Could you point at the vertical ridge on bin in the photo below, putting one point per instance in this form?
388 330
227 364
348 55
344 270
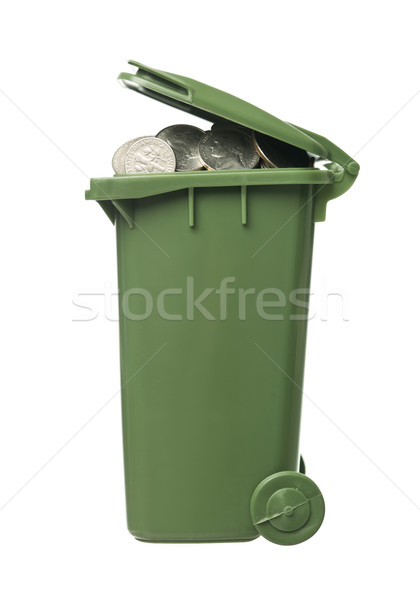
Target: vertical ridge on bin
191 207
243 204
126 211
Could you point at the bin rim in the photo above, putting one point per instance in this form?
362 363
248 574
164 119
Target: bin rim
133 186
115 193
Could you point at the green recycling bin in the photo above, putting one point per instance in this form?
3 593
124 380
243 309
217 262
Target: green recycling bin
214 274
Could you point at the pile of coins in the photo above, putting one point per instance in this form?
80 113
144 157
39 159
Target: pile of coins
188 148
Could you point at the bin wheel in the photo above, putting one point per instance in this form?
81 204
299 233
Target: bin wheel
287 508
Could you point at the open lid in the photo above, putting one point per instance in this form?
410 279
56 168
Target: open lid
214 105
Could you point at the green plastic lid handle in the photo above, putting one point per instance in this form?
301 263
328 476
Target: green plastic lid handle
345 170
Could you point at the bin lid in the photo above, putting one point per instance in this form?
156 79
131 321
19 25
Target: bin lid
212 104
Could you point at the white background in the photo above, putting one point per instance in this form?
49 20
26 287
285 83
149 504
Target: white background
348 71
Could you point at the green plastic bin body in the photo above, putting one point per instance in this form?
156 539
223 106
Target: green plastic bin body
214 275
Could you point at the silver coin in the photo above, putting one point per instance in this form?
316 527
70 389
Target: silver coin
118 160
150 155
279 154
183 139
227 148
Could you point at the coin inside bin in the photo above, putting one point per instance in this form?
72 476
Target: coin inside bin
226 146
184 141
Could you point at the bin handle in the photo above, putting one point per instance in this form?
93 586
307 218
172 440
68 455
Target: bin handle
345 170
165 84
